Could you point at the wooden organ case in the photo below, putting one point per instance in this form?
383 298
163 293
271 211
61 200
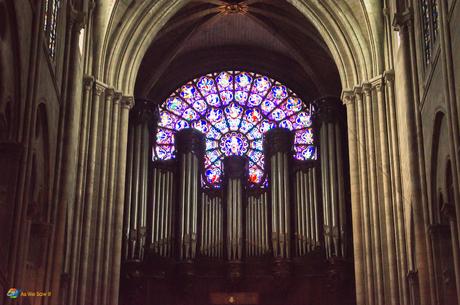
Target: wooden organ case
283 244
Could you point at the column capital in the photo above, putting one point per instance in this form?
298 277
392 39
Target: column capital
358 94
109 94
367 89
77 19
190 140
389 77
448 210
348 97
99 88
235 167
88 81
278 140
401 20
127 102
117 96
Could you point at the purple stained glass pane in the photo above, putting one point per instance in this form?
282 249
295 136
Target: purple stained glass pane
206 85
175 105
254 100
267 106
277 114
213 175
304 136
201 125
224 81
234 143
279 92
190 114
294 104
164 136
213 100
255 155
253 115
227 97
164 152
245 125
222 126
211 144
255 175
233 111
265 126
261 85
257 144
215 115
213 133
181 125
167 120
301 120
305 152
286 124
243 81
200 106
241 97
188 92
254 134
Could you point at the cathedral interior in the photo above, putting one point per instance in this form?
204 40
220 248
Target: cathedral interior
211 152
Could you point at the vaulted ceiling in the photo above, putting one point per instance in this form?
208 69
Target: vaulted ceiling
266 36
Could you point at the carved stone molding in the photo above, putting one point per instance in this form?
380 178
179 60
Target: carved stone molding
99 88
127 102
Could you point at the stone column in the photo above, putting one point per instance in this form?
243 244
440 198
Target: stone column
364 178
89 202
389 221
126 104
332 179
101 218
111 196
190 145
356 207
235 171
278 145
448 209
371 125
141 128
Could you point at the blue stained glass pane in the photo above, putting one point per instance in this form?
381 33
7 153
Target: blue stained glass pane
277 114
279 92
164 152
234 143
294 104
213 155
200 106
302 120
261 85
265 126
214 133
241 97
175 105
213 175
233 111
255 175
224 81
188 92
211 144
213 100
305 152
206 85
243 81
304 136
254 100
286 124
201 125
190 114
245 125
257 144
255 155
215 115
227 97
253 116
222 126
167 120
254 134
267 106
181 125
164 136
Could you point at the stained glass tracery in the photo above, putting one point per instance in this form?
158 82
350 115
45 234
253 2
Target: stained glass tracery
234 110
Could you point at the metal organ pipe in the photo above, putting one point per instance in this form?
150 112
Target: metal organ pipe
278 145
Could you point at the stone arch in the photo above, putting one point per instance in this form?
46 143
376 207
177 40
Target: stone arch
354 50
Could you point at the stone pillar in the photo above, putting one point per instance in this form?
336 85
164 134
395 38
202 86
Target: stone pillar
89 190
111 196
356 207
278 145
126 104
141 129
448 209
389 220
235 171
190 145
332 179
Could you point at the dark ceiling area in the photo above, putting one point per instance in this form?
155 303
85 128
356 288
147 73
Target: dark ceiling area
265 36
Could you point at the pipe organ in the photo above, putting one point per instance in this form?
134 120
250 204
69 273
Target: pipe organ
295 221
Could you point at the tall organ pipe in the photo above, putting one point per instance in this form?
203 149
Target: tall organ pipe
332 179
278 144
235 169
190 145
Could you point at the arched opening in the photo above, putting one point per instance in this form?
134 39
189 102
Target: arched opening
193 208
